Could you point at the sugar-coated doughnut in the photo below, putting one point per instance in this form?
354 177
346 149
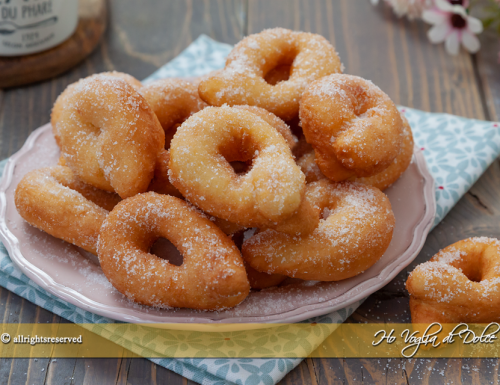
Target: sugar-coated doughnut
173 100
257 280
200 155
273 121
242 81
353 126
108 134
211 277
391 174
160 183
354 232
55 201
461 283
381 180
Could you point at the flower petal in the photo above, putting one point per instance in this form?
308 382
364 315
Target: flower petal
470 41
474 25
444 5
452 43
433 16
438 33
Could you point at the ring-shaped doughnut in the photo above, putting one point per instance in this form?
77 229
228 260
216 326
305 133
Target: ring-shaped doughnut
53 200
61 99
461 283
211 277
354 233
161 183
108 135
353 126
200 155
381 180
242 81
173 100
273 121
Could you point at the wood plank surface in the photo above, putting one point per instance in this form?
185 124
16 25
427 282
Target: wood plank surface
372 43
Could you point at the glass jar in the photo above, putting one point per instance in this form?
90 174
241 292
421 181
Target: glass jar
29 26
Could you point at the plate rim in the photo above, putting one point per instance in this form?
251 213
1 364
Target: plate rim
46 282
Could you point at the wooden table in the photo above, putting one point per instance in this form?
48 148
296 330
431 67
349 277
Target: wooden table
395 54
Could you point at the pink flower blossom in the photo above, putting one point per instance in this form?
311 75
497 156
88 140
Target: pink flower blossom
452 25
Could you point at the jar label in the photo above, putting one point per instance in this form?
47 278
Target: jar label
29 26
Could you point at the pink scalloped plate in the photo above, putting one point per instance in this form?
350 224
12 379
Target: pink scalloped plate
70 274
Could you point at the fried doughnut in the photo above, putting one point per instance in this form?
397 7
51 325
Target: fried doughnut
461 283
108 135
53 200
354 233
211 277
257 280
242 81
160 183
381 180
391 174
200 154
273 121
61 99
354 128
173 100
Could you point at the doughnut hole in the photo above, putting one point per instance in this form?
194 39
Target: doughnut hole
478 262
166 250
280 73
240 168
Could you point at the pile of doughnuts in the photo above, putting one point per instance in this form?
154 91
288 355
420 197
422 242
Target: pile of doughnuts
267 169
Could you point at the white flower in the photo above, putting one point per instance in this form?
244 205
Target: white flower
452 25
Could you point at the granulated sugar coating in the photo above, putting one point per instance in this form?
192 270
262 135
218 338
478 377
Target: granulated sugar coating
354 128
354 232
108 134
461 283
242 81
383 179
173 101
200 156
211 277
55 201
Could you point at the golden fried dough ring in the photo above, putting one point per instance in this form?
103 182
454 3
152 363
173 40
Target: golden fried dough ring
173 101
355 232
273 121
160 183
391 174
259 281
200 153
211 277
108 135
461 283
60 101
381 180
55 201
243 79
354 128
